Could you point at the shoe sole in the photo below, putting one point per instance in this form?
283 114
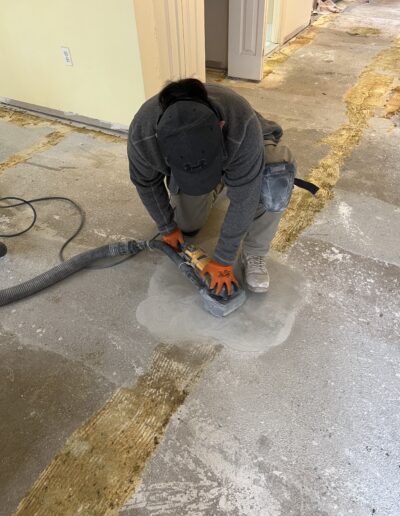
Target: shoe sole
257 290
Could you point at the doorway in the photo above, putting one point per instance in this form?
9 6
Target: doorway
216 18
272 26
238 33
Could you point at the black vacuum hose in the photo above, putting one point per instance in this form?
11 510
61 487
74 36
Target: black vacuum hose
183 266
75 264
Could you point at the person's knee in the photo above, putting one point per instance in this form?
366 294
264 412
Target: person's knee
187 226
191 219
191 212
190 233
190 224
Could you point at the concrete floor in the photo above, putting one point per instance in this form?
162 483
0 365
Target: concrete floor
299 413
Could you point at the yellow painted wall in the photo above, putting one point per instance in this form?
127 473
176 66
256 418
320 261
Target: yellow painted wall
105 81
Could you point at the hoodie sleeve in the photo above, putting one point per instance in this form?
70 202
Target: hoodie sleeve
151 188
243 179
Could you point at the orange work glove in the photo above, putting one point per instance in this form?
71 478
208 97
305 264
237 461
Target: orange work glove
174 239
219 276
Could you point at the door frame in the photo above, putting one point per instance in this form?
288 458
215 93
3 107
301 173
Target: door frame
171 40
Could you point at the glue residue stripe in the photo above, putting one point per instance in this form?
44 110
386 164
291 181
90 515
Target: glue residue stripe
49 141
368 94
101 464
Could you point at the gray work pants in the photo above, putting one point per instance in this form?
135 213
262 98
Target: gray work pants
191 213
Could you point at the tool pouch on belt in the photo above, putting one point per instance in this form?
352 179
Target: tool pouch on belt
278 176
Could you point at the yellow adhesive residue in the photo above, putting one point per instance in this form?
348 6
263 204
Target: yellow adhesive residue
21 118
101 464
49 141
363 31
25 119
368 94
393 104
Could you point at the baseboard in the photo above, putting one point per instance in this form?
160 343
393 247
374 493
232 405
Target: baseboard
295 32
66 116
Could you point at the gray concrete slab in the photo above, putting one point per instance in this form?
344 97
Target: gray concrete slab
90 170
379 14
101 304
299 413
309 427
43 398
355 222
69 348
373 167
15 138
300 141
332 53
293 110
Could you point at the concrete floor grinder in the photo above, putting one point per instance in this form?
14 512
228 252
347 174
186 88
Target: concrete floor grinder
191 260
219 305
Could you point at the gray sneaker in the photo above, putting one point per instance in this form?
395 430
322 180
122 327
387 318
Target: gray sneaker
255 273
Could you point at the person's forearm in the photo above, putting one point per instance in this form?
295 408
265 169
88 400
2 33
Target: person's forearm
238 218
152 191
156 200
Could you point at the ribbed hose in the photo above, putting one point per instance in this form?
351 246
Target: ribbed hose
183 266
75 264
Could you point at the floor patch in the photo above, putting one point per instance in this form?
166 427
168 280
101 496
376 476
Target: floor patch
173 311
101 464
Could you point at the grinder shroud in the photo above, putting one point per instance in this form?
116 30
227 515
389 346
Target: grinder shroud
218 305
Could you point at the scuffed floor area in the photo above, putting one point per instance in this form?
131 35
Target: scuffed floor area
119 394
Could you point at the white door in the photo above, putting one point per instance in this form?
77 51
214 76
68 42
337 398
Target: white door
246 39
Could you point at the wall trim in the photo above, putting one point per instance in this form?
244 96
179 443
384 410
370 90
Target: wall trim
67 117
295 32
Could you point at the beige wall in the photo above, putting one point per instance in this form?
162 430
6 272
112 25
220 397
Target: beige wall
295 16
105 81
171 39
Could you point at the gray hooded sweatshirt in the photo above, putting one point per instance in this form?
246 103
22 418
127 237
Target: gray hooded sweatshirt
243 164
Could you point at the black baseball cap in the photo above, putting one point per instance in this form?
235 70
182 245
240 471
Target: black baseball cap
190 140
